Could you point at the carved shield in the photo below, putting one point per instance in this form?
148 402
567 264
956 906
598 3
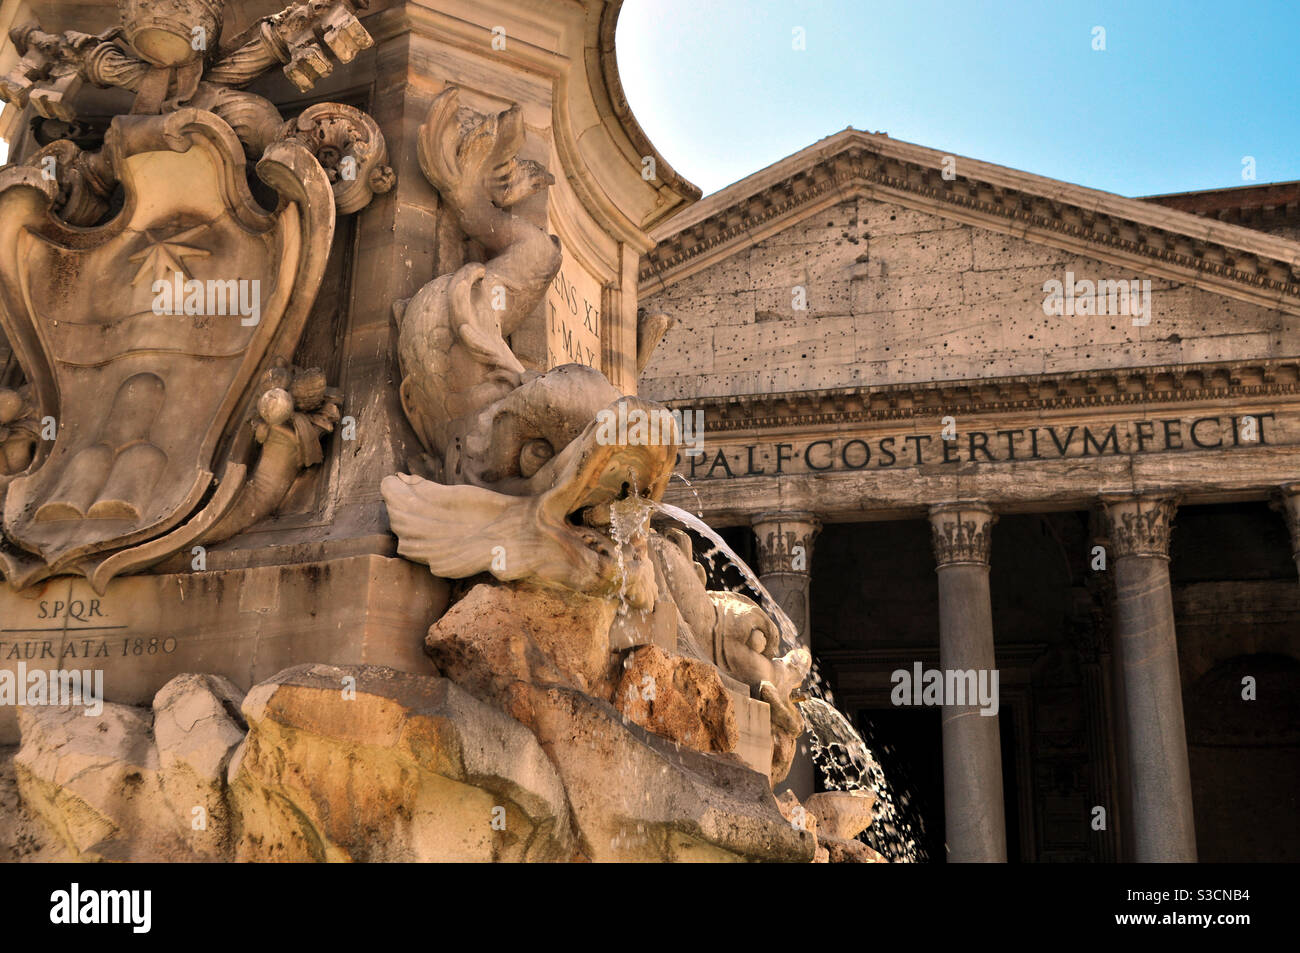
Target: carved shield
141 337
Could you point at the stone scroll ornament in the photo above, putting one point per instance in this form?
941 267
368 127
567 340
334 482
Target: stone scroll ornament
518 479
159 408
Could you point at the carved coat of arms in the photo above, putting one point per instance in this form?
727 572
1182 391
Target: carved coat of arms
145 322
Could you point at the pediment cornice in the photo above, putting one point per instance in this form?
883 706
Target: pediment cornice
1041 393
1149 238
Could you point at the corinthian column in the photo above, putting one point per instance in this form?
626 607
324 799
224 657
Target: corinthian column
1159 781
974 813
785 547
1289 503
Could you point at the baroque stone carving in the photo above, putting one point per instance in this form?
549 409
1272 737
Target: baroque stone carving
521 485
350 147
731 631
1140 525
165 49
561 533
519 478
293 413
142 337
961 533
165 52
455 359
19 430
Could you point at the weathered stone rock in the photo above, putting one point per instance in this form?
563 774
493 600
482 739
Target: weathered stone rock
93 779
850 852
197 726
370 764
677 698
24 837
842 814
800 817
638 797
503 634
128 786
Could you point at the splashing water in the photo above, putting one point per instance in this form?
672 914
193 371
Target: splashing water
789 633
847 764
839 752
699 504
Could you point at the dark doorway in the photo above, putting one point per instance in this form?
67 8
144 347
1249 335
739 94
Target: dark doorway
1243 746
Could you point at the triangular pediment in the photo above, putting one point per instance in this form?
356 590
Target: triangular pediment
1144 238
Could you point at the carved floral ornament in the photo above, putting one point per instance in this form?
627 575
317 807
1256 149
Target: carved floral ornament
155 339
1140 525
962 533
785 542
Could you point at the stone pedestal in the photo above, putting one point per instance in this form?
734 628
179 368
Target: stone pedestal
972 748
1160 787
785 549
245 624
754 719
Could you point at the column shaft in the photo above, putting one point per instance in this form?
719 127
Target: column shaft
1160 786
974 811
785 544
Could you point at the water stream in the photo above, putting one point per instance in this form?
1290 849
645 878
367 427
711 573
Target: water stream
839 753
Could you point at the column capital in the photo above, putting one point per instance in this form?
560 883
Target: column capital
962 533
785 541
1139 524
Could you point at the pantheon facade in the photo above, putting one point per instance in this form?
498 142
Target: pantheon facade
968 418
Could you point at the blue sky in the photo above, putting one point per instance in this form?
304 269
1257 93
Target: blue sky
1182 92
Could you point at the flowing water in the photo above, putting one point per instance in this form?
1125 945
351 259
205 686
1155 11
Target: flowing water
789 633
629 519
699 504
839 753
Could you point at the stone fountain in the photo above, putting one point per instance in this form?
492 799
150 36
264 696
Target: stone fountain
592 698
